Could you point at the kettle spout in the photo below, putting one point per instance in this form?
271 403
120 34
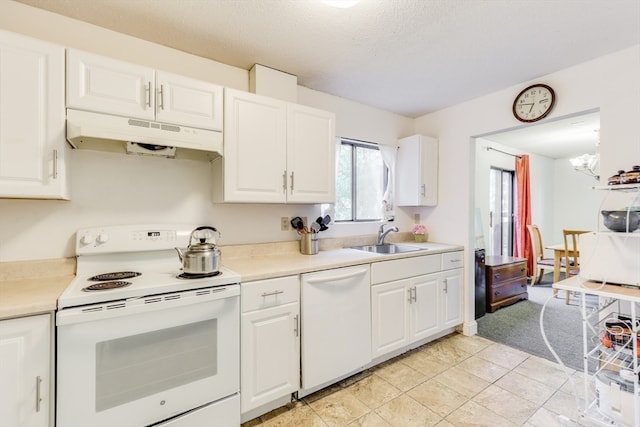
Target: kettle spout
180 254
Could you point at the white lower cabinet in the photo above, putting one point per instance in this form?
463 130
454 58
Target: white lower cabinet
270 341
25 371
417 305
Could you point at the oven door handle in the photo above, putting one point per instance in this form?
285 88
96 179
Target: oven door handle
109 310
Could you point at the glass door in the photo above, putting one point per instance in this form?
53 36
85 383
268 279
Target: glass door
501 211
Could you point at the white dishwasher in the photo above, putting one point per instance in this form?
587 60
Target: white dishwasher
336 325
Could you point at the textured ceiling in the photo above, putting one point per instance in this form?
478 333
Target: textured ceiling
410 57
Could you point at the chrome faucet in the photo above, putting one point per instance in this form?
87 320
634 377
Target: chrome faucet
382 233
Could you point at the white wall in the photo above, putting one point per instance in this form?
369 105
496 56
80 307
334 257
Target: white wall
608 83
108 188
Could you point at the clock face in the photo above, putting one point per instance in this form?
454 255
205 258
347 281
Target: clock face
534 103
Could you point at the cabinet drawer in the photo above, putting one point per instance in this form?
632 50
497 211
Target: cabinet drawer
507 272
451 260
269 293
397 269
508 289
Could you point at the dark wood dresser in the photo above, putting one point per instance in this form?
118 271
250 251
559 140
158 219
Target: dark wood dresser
506 281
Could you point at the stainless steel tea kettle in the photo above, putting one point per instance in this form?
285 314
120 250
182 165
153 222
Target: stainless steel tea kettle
202 257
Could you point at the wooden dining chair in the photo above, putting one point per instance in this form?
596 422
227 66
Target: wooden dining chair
571 255
540 263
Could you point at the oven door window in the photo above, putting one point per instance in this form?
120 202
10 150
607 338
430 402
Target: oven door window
133 367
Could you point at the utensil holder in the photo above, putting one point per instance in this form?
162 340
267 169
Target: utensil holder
309 244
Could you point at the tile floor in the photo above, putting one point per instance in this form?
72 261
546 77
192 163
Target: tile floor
454 381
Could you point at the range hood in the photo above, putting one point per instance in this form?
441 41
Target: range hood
114 133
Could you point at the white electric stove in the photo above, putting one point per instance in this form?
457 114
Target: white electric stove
138 344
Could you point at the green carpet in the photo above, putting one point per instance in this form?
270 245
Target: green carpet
518 325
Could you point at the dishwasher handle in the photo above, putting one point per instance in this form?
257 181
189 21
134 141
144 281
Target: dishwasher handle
337 277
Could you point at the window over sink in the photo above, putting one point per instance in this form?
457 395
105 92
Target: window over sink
361 181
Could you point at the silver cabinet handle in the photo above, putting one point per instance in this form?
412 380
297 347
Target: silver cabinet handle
55 164
38 398
147 91
268 294
161 98
296 328
423 190
284 181
415 294
446 285
410 298
292 181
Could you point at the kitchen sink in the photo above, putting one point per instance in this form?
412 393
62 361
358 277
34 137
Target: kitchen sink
388 248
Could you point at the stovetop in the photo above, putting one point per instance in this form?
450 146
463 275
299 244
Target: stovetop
154 258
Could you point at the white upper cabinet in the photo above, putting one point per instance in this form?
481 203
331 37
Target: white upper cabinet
101 84
32 119
310 155
275 152
417 171
255 149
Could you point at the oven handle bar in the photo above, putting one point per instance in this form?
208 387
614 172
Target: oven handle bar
109 310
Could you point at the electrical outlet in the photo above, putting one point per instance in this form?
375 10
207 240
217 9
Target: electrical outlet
284 224
416 218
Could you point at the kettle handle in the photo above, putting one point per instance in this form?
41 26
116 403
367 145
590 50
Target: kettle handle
204 227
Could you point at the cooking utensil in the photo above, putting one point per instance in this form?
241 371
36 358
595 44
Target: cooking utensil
315 227
202 257
618 220
323 222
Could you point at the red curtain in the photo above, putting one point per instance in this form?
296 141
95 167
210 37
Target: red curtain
522 242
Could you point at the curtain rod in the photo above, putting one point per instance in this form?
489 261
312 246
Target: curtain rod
504 152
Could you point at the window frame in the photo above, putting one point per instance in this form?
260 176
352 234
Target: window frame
354 143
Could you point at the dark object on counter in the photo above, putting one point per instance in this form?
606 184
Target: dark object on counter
631 177
615 179
480 289
618 220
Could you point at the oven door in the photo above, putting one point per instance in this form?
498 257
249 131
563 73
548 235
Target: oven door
142 361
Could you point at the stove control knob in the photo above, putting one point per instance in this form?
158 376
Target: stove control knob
103 238
87 239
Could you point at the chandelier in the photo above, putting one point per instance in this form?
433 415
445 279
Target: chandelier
588 164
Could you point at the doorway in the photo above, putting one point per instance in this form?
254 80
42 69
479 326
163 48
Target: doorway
501 214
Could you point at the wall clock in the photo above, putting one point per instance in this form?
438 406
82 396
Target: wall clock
534 103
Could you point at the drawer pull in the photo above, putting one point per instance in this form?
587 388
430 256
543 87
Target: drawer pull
268 294
296 328
497 275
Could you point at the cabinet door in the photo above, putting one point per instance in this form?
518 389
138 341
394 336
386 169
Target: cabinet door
188 102
452 298
255 149
310 155
270 365
390 316
97 83
25 360
417 171
32 119
425 306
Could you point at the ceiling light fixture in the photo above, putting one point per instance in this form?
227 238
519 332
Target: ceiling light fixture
343 4
588 163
